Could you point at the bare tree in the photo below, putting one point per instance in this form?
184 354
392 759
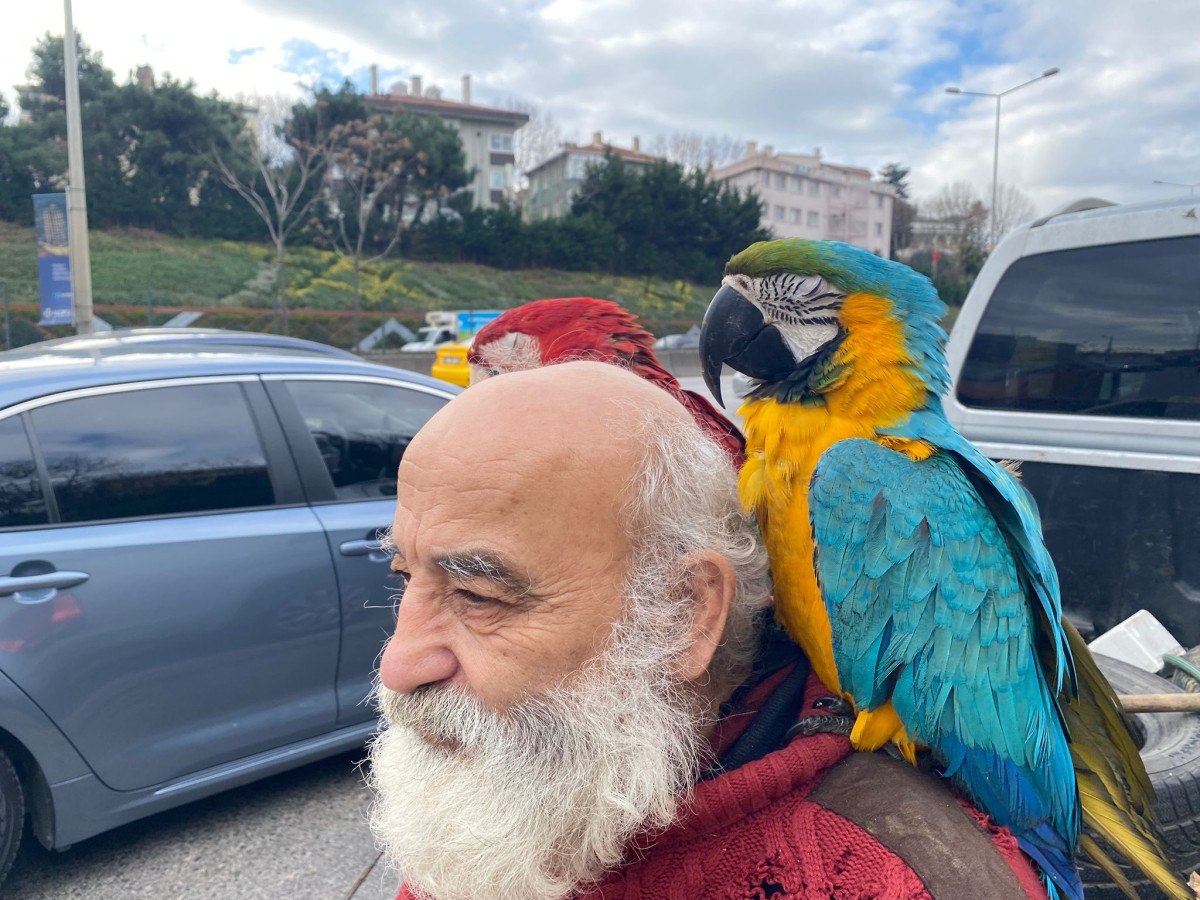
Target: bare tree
276 172
957 205
537 140
1012 208
695 150
369 167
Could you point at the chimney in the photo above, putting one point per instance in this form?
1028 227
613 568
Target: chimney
415 90
596 138
466 97
768 150
817 152
751 148
374 80
637 144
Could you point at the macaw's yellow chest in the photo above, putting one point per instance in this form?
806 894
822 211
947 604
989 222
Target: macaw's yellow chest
784 441
783 444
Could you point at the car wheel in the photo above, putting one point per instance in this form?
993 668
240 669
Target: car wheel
1170 747
12 814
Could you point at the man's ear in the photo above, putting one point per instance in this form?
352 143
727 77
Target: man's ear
708 582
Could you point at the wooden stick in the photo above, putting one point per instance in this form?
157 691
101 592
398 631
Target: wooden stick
1143 703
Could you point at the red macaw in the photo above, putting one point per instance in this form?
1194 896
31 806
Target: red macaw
561 329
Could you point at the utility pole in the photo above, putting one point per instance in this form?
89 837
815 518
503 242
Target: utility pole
81 259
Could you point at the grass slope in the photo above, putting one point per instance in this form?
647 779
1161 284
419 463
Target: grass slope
127 266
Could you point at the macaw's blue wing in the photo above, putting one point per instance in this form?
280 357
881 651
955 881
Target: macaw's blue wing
930 609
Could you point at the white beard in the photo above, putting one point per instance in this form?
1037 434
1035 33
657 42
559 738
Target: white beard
543 799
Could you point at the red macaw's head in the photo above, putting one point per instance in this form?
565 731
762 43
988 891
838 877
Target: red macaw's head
557 330
544 332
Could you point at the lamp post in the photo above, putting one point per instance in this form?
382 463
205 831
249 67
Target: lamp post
996 144
1191 187
81 261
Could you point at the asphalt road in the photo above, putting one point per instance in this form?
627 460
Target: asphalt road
298 835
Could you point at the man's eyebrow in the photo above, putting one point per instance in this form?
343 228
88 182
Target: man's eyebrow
488 566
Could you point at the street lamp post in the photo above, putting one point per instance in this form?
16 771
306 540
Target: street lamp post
1191 187
81 261
996 142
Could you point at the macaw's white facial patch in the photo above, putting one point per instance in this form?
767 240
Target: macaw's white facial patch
803 307
513 352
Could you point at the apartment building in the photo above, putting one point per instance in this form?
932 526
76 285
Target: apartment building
554 182
804 196
487 133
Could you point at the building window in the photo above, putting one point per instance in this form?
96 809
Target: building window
814 219
796 184
796 215
496 179
878 229
577 165
766 179
835 190
879 201
779 213
502 143
780 181
814 188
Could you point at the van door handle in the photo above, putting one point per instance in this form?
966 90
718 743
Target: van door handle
49 581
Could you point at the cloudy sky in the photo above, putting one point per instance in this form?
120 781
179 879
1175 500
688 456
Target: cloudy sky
864 81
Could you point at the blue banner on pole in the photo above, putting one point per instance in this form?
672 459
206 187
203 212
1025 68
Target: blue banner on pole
54 259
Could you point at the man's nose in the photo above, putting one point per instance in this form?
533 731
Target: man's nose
417 654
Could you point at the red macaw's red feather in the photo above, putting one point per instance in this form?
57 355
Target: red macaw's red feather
573 328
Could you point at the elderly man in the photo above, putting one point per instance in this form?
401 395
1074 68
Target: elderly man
581 696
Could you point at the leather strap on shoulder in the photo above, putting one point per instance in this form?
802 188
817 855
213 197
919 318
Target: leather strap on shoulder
918 819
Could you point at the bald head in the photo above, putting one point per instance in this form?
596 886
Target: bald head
567 417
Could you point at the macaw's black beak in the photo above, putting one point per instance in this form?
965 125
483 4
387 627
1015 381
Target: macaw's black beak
734 333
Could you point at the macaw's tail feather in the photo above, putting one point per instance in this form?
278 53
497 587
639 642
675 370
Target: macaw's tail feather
1114 789
1046 848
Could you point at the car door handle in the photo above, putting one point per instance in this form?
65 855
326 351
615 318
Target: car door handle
366 547
45 582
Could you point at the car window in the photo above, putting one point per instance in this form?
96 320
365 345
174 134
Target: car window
154 452
1111 331
361 431
21 500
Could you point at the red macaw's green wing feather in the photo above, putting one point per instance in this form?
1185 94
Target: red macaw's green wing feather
929 609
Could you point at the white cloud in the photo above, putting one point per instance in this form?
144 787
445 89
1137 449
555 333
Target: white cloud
863 81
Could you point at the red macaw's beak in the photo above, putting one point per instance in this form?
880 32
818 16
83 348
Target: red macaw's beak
734 333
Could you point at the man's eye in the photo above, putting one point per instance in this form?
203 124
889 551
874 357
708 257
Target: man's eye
477 599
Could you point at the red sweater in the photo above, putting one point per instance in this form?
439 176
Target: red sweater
751 833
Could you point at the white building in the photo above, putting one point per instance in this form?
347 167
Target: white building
804 196
554 182
485 131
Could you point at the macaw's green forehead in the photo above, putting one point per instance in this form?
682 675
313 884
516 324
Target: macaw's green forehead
852 269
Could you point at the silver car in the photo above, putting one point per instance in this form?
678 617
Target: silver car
191 593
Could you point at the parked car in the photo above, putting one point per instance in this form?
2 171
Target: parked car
174 340
1077 352
192 596
450 363
688 340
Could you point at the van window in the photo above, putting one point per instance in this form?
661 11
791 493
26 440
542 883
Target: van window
153 452
21 500
1107 331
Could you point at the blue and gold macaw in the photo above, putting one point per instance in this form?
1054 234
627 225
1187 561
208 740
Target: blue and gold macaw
909 566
